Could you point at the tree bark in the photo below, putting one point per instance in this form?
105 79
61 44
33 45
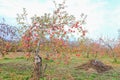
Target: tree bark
37 72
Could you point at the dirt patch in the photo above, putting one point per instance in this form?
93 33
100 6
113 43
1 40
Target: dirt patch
97 65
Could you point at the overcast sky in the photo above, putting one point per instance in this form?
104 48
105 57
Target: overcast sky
103 15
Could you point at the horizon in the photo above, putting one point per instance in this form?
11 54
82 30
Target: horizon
102 21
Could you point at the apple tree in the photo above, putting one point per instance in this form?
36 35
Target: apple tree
57 26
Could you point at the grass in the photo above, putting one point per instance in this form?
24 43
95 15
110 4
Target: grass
15 69
21 69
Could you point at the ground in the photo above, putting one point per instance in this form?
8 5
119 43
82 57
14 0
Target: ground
17 67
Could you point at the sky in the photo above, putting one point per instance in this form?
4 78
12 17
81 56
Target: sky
102 20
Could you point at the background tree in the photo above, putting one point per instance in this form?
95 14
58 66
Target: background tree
7 35
110 43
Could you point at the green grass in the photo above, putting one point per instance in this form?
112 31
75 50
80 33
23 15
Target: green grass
21 69
15 69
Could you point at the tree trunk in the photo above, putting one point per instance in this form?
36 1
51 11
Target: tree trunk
37 72
96 54
87 55
114 57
